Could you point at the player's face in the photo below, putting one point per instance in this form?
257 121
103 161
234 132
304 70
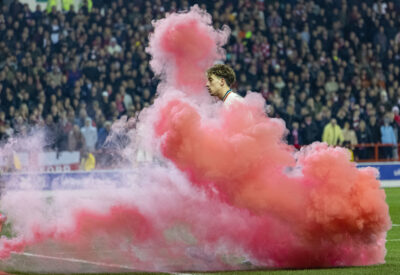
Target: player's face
213 84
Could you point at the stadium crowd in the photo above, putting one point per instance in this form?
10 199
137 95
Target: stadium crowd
329 68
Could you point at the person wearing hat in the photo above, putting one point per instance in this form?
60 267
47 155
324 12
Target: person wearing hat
114 48
396 114
104 100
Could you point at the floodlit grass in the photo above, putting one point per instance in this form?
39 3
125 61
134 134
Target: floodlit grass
392 265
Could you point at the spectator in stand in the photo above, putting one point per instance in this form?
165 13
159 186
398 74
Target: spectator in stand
349 135
88 161
307 58
64 127
331 86
289 115
3 134
103 133
347 145
332 133
309 130
388 138
76 141
120 104
395 111
114 48
395 126
74 75
50 130
364 137
126 98
295 137
90 135
375 129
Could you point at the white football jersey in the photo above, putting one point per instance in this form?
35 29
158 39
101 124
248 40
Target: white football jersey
231 97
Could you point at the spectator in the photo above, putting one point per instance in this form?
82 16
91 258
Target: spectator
76 141
119 103
64 127
364 137
74 75
114 48
127 99
388 137
2 118
274 21
50 130
380 7
347 145
331 86
103 133
380 39
395 111
332 133
88 161
349 135
309 130
90 135
289 115
375 129
3 133
295 137
314 59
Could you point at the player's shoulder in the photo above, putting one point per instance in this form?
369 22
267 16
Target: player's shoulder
236 95
233 97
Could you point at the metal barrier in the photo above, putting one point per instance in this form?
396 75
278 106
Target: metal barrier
372 152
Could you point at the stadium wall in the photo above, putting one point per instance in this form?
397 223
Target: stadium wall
389 172
389 177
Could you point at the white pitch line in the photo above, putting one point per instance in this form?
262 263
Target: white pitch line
394 240
395 224
76 261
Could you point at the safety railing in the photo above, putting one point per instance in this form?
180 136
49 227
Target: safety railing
371 152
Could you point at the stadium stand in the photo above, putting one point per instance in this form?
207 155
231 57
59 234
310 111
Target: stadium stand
315 62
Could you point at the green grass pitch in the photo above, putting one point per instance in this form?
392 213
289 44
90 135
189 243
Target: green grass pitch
392 265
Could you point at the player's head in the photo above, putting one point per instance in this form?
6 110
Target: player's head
219 79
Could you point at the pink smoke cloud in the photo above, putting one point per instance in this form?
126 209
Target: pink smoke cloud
224 191
336 213
183 46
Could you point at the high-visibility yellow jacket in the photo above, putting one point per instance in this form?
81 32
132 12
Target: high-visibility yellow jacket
332 135
17 162
88 163
67 4
51 4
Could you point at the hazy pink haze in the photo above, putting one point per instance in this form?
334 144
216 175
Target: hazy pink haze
224 191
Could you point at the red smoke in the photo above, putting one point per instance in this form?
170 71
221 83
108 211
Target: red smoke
334 213
183 47
226 188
